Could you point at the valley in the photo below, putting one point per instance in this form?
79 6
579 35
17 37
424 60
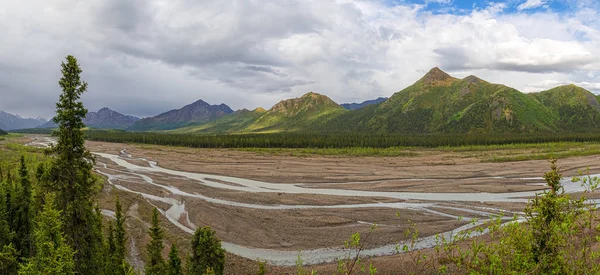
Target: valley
271 206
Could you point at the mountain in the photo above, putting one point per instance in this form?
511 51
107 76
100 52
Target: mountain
574 107
440 103
12 122
196 113
105 118
355 106
310 111
235 122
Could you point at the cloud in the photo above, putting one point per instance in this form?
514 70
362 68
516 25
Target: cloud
531 4
143 57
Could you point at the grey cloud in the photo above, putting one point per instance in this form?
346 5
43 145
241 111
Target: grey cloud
461 58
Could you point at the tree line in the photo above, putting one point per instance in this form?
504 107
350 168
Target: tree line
295 140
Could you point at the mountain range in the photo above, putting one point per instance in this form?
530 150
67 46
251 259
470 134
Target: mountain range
105 118
12 122
436 103
196 113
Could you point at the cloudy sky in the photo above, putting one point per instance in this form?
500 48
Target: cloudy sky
143 57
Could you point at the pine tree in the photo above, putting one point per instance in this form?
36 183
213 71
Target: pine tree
174 265
206 253
71 172
120 240
110 249
156 264
53 255
23 226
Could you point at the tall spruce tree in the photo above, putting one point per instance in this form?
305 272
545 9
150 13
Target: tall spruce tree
53 255
23 227
174 264
206 253
156 263
71 173
120 240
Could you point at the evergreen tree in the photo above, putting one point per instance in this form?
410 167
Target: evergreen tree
119 240
23 224
156 264
206 253
53 255
174 265
71 173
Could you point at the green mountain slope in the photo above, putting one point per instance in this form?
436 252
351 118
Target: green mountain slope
306 113
574 107
235 122
441 103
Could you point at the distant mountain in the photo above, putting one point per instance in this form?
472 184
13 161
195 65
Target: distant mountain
12 122
574 107
355 106
196 113
235 122
307 112
105 118
310 111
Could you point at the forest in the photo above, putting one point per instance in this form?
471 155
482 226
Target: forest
290 140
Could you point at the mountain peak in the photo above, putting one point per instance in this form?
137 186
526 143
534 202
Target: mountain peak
437 77
259 110
310 101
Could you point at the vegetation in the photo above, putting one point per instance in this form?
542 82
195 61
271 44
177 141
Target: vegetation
207 253
3 133
333 141
156 264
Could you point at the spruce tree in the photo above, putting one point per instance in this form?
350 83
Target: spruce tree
23 227
120 240
156 264
71 172
174 265
206 253
53 255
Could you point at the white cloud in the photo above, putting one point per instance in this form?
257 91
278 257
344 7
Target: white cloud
530 4
143 57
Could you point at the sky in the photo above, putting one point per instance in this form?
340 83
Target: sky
144 57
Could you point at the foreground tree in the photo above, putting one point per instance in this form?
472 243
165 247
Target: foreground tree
156 264
207 253
71 173
23 224
53 255
174 265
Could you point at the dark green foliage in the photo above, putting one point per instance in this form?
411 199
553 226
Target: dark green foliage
8 260
71 173
120 241
174 266
53 255
156 264
206 253
3 133
333 140
24 213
